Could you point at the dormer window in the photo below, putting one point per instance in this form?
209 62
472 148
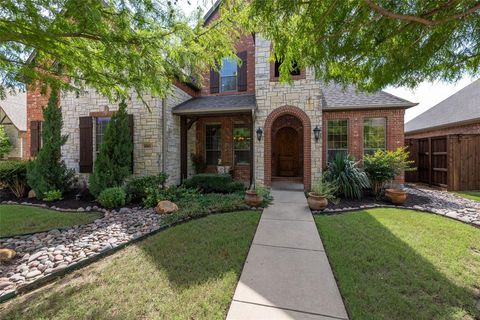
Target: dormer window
228 75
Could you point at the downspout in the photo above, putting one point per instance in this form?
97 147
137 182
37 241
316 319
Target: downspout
254 138
164 135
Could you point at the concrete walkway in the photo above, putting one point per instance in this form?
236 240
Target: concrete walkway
287 274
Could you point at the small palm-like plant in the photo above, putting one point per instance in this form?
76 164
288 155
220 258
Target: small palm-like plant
350 179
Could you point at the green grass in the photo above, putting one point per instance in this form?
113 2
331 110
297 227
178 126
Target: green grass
403 264
186 272
472 195
18 219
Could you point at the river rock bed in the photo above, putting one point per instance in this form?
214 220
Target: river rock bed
424 199
41 254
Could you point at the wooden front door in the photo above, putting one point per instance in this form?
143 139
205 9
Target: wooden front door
286 152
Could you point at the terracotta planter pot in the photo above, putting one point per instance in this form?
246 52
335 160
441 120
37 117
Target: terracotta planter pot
396 196
316 202
253 199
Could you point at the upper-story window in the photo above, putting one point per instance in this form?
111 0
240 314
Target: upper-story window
228 75
295 71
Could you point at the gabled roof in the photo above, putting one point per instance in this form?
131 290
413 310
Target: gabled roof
217 104
15 107
461 107
211 11
337 97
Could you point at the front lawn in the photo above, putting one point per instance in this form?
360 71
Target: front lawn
472 195
186 272
403 264
18 219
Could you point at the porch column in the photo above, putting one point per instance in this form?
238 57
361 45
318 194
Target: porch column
183 147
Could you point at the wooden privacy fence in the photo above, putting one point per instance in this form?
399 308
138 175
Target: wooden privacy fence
451 161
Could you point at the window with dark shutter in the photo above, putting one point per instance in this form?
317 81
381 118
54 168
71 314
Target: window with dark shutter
130 126
242 71
86 145
214 81
35 137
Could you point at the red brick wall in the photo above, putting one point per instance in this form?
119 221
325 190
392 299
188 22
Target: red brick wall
245 43
241 172
471 128
395 127
35 103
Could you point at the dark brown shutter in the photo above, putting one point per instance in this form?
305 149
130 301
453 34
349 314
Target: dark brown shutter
242 71
86 144
130 126
35 137
214 81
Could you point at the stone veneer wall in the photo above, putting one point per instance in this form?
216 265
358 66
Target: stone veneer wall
304 94
147 130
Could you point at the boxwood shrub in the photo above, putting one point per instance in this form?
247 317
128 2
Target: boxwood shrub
112 197
214 183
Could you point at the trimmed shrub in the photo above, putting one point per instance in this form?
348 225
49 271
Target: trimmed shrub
214 183
114 161
136 187
48 171
5 144
53 195
344 172
13 175
112 197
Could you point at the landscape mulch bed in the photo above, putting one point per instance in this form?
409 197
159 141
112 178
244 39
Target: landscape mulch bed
69 200
369 199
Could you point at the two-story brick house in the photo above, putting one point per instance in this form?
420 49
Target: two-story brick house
242 117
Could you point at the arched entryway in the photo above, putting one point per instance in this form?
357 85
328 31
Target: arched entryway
287 146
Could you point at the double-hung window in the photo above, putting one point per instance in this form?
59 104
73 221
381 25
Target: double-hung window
337 138
228 75
374 134
101 124
213 140
242 137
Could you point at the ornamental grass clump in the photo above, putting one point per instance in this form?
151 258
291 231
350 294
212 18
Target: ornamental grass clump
383 166
349 178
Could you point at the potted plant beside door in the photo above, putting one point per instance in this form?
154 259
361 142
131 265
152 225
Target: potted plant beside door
321 193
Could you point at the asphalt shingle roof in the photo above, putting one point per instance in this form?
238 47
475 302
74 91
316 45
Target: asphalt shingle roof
460 107
217 104
337 97
15 107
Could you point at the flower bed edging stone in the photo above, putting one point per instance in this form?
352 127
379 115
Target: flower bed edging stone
43 279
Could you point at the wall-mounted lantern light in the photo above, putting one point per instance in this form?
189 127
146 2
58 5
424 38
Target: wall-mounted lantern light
259 134
316 133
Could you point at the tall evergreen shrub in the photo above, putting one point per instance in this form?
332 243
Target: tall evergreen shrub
5 144
48 171
114 161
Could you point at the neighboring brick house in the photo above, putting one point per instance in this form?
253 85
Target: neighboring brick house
444 142
242 118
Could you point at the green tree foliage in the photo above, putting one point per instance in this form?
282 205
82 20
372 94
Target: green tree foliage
5 144
114 161
373 43
112 46
48 171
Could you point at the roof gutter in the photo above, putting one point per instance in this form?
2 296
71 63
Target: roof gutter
443 126
369 106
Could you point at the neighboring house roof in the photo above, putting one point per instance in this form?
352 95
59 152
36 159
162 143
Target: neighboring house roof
216 104
15 107
461 107
211 11
337 97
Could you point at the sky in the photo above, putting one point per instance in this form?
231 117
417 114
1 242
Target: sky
427 94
